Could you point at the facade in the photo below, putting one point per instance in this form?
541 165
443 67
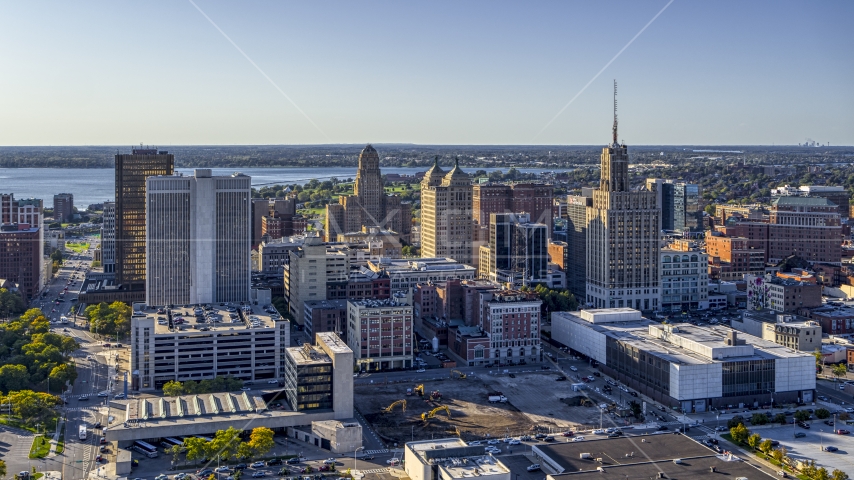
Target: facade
369 206
730 258
680 204
446 214
380 333
834 320
809 227
684 278
517 249
319 377
198 239
21 253
451 459
325 316
247 343
511 321
63 207
131 172
275 254
406 273
576 240
559 254
835 194
535 199
108 238
781 294
27 212
693 368
309 272
530 253
623 238
797 333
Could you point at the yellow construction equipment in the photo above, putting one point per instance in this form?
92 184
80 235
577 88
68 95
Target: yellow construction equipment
420 390
389 408
461 374
432 413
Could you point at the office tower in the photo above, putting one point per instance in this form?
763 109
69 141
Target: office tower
198 239
517 249
809 227
623 237
310 268
530 253
131 172
21 252
108 238
446 214
63 207
380 333
260 209
680 204
369 206
576 241
536 199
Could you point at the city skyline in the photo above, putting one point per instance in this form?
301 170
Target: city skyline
391 73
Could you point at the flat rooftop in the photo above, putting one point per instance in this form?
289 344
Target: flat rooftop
622 451
456 458
308 354
689 468
209 317
418 264
333 342
190 406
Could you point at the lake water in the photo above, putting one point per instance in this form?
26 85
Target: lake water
96 185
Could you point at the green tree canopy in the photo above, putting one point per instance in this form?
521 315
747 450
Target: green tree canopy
109 319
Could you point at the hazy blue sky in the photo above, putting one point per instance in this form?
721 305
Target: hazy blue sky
454 72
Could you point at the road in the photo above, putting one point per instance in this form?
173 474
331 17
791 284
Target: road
93 363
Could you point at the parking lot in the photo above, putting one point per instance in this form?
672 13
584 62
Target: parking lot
810 446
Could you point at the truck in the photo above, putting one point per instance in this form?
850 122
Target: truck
497 399
81 432
63 319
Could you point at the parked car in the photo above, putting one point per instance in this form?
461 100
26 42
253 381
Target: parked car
800 435
259 473
201 473
579 438
829 448
275 461
567 433
534 467
222 469
420 370
292 461
329 461
573 368
240 466
257 465
842 431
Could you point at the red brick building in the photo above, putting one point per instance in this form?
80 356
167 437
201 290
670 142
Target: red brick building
809 227
536 199
20 257
730 258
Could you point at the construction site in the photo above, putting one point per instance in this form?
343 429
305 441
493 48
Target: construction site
475 407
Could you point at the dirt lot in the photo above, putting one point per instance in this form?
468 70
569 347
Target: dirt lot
536 394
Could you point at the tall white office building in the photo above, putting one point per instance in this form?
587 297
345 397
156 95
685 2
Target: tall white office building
198 239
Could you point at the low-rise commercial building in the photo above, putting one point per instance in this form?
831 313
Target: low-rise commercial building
684 278
325 316
406 273
797 333
781 294
380 333
21 253
320 377
511 320
451 459
688 367
246 342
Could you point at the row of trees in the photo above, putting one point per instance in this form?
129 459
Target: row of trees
554 300
11 304
228 445
32 407
190 387
742 436
799 416
32 357
110 319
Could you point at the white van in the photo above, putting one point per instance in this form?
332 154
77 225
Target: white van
63 319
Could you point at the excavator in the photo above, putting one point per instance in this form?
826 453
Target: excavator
420 390
461 374
389 408
432 413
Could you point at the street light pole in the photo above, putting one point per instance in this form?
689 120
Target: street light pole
356 460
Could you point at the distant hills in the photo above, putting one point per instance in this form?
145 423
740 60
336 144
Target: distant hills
410 155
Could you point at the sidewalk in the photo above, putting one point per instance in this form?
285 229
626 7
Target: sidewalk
54 441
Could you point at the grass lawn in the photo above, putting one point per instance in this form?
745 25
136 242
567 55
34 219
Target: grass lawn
77 247
40 448
48 425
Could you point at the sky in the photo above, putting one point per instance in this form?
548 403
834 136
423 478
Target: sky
439 72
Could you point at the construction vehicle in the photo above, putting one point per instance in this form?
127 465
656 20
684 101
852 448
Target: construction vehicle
420 390
461 374
389 408
432 413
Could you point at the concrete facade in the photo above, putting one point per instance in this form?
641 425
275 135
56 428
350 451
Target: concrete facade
108 238
380 333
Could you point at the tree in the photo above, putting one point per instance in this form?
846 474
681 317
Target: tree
765 447
759 419
735 421
13 377
839 370
754 441
739 433
62 375
779 454
821 474
175 451
836 475
2 469
226 443
197 448
261 441
780 418
109 319
11 304
802 415
637 410
244 451
809 469
31 406
173 388
818 359
822 413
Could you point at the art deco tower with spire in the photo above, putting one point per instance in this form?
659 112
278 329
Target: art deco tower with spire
623 236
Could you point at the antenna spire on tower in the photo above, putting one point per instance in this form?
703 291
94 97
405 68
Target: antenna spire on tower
615 114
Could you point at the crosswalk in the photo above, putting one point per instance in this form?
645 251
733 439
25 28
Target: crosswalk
374 470
376 452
